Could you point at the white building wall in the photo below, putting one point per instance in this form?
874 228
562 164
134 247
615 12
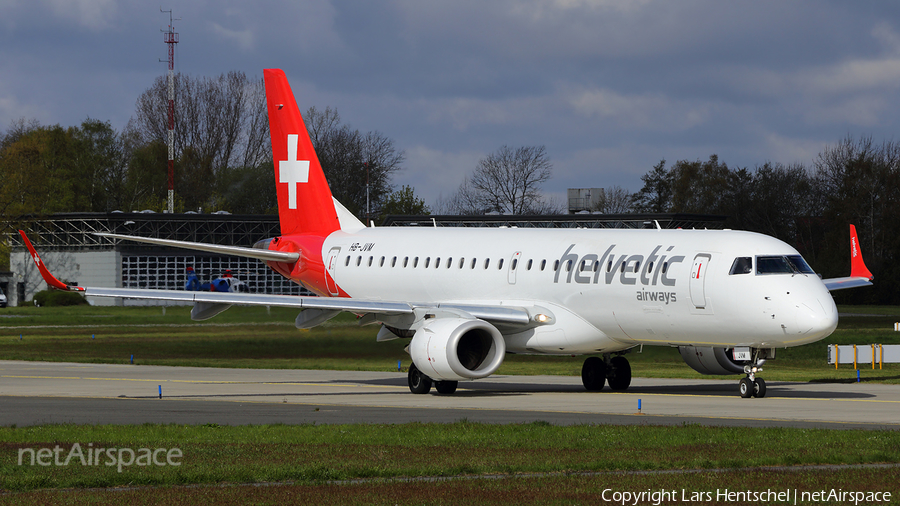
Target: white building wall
85 268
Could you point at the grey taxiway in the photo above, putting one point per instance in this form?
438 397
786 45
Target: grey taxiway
44 393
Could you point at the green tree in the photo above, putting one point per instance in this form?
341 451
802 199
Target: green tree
250 190
405 203
656 194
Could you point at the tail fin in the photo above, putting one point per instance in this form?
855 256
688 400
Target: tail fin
857 266
305 204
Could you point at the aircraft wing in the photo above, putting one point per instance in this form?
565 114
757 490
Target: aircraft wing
261 254
849 282
859 273
209 304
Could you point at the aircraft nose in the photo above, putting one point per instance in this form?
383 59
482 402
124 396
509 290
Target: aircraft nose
817 318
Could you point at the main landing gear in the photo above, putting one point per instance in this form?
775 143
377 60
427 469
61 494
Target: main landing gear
751 386
421 384
597 371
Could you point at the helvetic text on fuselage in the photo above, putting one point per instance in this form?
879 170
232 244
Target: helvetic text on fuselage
591 268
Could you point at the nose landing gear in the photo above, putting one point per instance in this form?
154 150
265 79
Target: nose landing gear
751 386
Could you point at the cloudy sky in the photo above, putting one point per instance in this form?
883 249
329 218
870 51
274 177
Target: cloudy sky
609 87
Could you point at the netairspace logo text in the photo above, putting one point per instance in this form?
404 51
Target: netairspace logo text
90 456
788 496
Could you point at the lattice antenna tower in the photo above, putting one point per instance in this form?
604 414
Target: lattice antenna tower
170 37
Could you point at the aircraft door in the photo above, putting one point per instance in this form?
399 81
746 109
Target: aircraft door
330 268
514 266
698 280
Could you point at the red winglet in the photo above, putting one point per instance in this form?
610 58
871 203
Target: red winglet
857 265
49 278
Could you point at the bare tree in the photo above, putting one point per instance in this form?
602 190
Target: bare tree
358 166
613 200
507 181
221 120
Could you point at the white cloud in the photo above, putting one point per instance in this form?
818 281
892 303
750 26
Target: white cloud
91 14
242 38
653 111
436 174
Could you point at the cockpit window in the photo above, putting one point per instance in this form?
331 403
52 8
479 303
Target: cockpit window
791 264
800 265
742 265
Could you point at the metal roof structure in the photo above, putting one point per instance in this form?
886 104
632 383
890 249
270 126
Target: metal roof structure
585 220
75 230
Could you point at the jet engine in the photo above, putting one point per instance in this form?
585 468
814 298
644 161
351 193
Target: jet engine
708 360
454 349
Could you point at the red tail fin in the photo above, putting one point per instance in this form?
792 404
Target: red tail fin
305 204
857 266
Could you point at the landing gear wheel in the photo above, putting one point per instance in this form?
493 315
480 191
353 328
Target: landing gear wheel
418 382
619 373
759 388
593 374
446 387
746 388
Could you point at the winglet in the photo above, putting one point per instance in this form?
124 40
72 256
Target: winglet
50 279
857 265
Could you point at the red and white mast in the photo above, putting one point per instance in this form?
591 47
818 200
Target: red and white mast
171 38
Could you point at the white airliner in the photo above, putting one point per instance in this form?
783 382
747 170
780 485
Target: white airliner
467 297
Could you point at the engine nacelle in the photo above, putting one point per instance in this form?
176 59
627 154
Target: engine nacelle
708 360
457 349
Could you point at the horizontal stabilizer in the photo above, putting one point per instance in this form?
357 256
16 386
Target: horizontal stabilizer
238 251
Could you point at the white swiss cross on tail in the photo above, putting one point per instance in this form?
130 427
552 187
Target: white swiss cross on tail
292 170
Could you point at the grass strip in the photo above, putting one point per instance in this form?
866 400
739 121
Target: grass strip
562 490
256 338
307 454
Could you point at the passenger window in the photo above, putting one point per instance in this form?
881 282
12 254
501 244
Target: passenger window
393 261
649 267
581 266
528 267
427 261
347 262
473 264
500 264
415 262
555 265
381 262
437 262
370 261
569 266
742 265
543 264
405 261
462 262
487 261
358 260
